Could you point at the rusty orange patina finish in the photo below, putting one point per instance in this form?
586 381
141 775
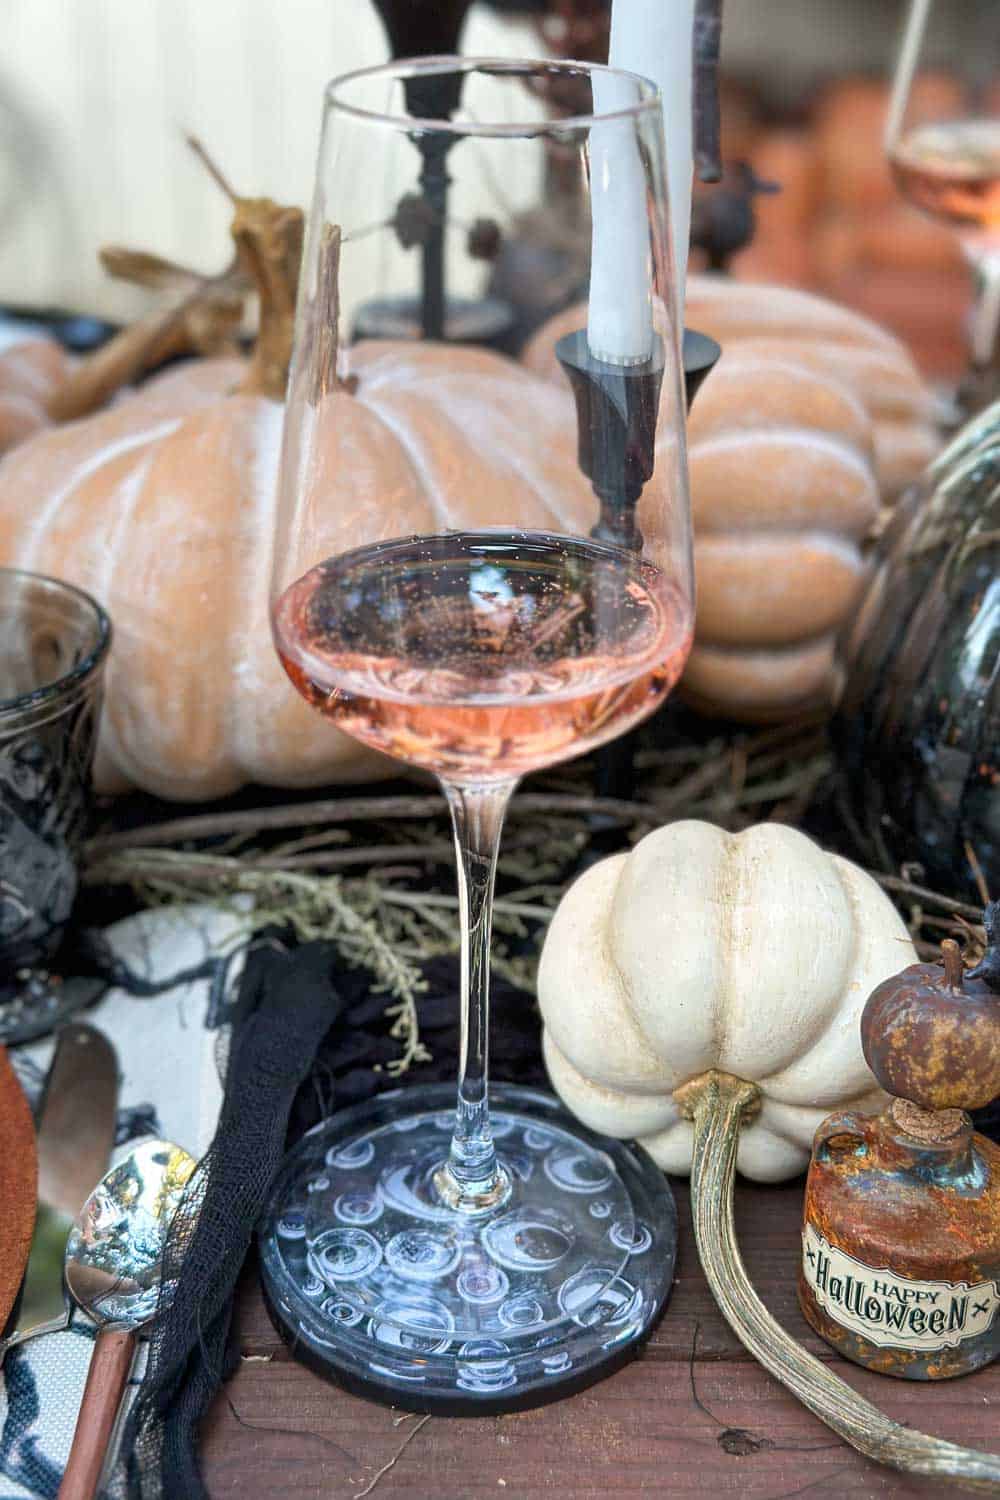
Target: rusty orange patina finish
932 1034
912 1197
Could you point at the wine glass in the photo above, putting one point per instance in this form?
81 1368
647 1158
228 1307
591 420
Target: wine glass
480 573
943 142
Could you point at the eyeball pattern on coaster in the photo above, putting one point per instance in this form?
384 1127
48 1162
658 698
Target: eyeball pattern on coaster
636 1238
344 1255
400 1286
480 1281
358 1207
422 1255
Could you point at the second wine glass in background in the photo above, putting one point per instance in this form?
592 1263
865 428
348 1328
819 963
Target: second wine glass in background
943 140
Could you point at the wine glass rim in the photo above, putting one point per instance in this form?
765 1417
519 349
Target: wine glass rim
405 68
81 670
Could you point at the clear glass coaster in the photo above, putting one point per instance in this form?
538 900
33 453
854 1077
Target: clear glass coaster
375 1282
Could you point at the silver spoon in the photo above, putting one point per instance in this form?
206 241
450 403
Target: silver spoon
114 1268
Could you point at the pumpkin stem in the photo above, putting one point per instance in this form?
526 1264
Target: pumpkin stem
717 1103
142 268
954 968
205 321
988 968
212 168
268 239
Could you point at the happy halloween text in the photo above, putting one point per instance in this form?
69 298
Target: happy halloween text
895 1311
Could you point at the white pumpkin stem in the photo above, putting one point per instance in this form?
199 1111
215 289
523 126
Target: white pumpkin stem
719 1104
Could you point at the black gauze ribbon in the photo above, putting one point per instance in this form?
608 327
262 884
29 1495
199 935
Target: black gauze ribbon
287 1002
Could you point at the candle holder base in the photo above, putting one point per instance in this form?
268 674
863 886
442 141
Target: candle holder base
374 1282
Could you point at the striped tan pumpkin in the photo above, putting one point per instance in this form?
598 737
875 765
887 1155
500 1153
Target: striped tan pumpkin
834 341
784 494
824 337
31 368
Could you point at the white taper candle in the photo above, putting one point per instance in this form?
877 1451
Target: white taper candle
620 311
656 38
653 38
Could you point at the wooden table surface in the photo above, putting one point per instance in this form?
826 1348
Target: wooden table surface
694 1415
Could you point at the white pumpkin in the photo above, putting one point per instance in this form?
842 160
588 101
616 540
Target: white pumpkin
750 953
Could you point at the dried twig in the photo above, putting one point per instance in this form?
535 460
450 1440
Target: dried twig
685 791
977 873
211 167
900 887
354 868
395 1458
204 318
501 908
372 809
257 820
147 863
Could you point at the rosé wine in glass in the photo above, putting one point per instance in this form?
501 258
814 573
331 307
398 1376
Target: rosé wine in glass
484 654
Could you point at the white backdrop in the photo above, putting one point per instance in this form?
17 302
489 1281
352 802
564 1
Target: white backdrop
95 96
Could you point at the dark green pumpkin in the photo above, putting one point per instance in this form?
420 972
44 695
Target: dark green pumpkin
919 721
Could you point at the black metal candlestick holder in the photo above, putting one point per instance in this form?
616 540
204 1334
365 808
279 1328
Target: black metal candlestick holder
699 355
433 148
419 28
616 412
616 407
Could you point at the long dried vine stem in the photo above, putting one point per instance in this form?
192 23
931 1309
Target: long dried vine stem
719 1104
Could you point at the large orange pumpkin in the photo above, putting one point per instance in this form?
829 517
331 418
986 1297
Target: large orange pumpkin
31 369
164 507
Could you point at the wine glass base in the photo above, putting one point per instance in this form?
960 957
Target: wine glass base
378 1285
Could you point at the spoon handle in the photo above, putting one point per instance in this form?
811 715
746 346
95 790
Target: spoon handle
110 1364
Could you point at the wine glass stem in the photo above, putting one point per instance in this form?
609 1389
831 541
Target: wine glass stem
472 1180
981 384
986 310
